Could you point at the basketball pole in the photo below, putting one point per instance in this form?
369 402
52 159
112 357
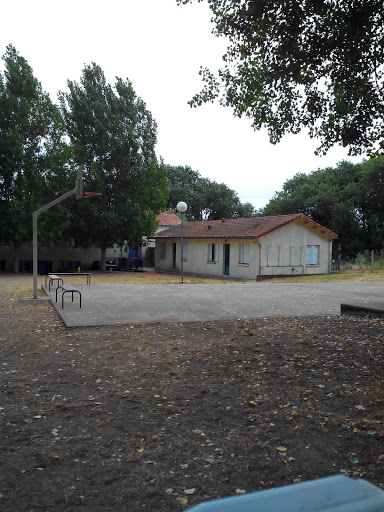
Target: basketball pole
78 192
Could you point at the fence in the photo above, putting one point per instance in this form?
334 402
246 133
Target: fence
367 260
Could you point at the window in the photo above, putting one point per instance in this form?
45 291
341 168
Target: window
162 249
312 255
244 253
185 251
213 252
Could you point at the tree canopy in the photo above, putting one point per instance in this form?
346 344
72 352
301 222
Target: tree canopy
33 152
348 199
205 199
113 136
314 64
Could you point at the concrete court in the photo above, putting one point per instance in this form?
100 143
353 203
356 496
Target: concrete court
124 304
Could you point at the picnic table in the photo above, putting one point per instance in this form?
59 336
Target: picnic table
87 274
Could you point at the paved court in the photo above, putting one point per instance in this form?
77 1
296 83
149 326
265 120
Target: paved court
126 303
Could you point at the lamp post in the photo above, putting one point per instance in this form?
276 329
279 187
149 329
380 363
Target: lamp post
182 208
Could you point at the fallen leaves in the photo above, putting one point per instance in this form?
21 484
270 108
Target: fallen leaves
183 500
217 387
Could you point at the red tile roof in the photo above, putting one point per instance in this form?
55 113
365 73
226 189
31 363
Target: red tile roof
168 218
253 227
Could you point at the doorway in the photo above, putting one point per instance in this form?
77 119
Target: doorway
226 259
173 255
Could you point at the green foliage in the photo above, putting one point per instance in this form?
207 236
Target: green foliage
33 152
113 136
302 64
205 199
347 199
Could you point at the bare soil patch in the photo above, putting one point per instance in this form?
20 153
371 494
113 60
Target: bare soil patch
130 417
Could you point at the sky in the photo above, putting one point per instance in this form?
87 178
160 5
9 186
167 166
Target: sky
160 48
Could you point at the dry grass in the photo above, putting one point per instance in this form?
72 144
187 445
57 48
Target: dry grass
337 277
15 286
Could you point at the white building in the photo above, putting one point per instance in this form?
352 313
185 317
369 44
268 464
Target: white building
248 248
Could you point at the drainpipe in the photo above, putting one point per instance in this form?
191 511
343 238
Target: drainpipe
259 271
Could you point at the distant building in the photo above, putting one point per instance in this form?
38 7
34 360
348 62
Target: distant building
66 257
166 220
247 248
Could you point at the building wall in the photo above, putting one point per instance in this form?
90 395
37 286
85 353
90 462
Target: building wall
52 259
282 252
197 261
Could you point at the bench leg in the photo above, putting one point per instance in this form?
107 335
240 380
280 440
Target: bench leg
62 297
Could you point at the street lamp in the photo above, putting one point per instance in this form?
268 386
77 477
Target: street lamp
182 208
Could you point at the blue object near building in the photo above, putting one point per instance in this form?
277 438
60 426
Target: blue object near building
331 494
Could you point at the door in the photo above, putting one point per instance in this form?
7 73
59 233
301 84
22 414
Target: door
173 255
226 259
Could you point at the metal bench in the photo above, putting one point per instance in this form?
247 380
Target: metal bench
66 288
51 278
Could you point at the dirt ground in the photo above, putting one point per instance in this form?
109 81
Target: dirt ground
161 417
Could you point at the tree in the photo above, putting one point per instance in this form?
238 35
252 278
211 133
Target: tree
187 185
113 136
33 152
303 64
205 199
348 199
223 202
369 199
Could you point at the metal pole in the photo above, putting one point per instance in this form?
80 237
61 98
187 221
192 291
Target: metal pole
35 216
182 249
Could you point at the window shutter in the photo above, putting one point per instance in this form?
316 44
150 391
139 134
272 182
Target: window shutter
216 252
245 257
315 255
312 254
309 255
244 253
209 252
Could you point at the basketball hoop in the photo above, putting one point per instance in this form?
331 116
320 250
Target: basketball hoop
87 195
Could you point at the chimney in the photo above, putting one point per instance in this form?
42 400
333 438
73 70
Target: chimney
209 227
222 220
